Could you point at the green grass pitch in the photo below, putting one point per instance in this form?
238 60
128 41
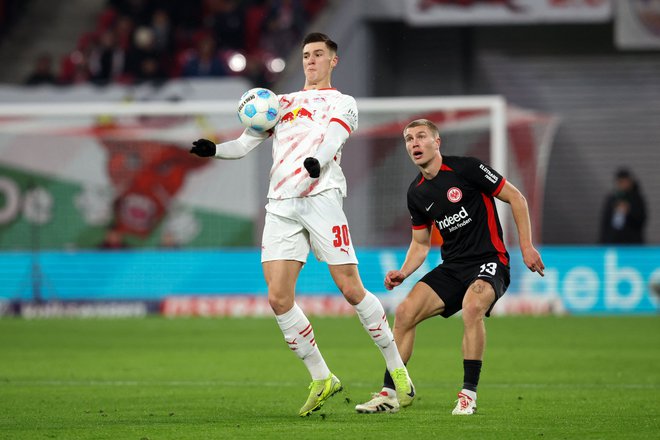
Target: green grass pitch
156 378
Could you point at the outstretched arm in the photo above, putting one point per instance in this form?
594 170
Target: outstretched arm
417 252
511 195
234 149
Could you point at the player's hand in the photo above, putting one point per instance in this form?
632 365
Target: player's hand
313 167
532 260
394 278
203 148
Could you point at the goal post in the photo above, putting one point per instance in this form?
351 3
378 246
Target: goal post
466 113
94 166
496 105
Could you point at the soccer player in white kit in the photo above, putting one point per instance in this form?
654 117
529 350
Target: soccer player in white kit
305 212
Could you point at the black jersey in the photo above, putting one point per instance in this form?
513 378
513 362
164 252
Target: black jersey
460 202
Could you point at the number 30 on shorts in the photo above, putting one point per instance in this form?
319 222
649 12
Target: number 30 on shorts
341 236
489 268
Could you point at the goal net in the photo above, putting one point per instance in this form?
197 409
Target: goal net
80 175
514 141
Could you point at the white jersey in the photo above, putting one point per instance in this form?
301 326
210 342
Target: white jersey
305 118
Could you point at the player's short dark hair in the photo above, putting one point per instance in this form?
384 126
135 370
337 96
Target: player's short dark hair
315 37
423 122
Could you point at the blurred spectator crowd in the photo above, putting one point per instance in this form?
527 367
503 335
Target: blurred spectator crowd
136 41
9 11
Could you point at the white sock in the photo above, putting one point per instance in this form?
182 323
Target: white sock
389 391
299 335
373 319
471 394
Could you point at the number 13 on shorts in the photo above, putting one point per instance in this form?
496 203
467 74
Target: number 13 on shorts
489 268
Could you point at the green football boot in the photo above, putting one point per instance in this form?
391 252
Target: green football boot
320 391
405 391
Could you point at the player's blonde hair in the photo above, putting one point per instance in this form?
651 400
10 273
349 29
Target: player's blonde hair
423 122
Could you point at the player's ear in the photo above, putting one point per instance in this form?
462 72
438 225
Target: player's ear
334 61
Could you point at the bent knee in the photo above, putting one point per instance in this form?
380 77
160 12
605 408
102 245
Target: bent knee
351 288
405 315
280 304
473 311
477 301
353 294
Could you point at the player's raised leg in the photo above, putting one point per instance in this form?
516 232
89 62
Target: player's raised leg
372 315
421 303
298 333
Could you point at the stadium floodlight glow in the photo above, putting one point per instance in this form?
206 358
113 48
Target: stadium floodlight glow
276 65
237 62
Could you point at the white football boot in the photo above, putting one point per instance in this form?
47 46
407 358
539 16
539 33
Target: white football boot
379 403
465 405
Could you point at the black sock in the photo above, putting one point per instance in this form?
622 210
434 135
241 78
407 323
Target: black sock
471 371
387 380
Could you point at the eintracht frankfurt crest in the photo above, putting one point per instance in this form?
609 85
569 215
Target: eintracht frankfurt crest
454 194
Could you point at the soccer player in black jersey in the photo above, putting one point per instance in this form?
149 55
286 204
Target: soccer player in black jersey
456 194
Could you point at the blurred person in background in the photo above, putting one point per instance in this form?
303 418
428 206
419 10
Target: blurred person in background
144 61
305 212
227 20
42 72
139 10
624 211
283 26
75 67
164 36
205 60
106 60
124 28
456 194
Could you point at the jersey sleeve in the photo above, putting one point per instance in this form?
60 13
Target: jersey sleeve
345 113
482 176
418 218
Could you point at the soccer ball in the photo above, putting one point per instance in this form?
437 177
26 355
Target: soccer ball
259 109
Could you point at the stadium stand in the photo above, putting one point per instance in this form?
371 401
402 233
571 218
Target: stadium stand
10 10
136 41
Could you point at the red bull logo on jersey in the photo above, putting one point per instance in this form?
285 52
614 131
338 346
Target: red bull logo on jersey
300 112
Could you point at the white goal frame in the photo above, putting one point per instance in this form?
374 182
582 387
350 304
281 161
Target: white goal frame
496 105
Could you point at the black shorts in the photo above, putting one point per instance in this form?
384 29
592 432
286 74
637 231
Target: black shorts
450 281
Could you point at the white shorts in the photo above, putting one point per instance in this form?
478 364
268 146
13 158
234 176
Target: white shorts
293 226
